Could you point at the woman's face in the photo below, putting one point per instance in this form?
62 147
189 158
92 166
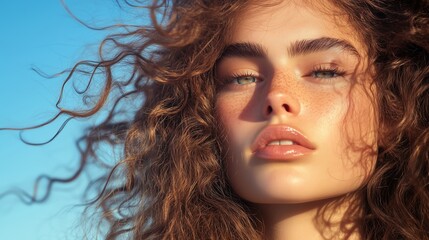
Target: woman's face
296 105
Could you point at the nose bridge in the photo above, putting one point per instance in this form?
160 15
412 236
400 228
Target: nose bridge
280 82
281 98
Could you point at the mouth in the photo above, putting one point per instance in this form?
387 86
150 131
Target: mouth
281 142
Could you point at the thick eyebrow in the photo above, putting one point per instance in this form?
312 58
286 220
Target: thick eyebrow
244 49
308 46
300 47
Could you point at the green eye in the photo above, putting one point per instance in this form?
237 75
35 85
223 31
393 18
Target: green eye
244 80
327 72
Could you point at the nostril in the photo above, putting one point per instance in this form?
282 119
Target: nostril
269 110
286 107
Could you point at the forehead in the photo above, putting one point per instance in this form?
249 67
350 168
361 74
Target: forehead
280 22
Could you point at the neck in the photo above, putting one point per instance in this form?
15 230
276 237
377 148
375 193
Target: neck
323 219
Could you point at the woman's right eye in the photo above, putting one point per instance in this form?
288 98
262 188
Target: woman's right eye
243 80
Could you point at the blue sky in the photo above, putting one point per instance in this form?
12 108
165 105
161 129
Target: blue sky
42 34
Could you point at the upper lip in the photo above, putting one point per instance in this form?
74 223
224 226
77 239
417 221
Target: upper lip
280 132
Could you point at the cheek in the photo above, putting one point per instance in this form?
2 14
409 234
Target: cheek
229 107
237 112
348 137
360 129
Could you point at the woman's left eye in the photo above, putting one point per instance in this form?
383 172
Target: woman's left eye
324 74
327 73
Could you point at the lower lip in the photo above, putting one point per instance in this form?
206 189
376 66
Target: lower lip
282 152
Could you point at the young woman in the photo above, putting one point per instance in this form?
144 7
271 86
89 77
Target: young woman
269 120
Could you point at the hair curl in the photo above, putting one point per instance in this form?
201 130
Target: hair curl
170 183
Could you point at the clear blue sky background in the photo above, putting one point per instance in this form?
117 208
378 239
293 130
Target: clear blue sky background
42 34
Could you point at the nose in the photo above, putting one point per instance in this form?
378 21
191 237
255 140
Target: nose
281 100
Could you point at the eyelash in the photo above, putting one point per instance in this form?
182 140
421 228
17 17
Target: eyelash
337 72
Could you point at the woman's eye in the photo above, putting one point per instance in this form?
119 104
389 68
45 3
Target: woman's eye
327 73
244 80
324 74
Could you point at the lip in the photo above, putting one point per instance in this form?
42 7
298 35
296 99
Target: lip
261 149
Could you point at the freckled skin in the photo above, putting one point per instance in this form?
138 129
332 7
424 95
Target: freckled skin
318 108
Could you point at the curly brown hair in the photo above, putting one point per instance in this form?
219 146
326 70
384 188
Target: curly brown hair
170 182
397 194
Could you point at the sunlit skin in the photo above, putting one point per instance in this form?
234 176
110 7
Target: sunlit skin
323 93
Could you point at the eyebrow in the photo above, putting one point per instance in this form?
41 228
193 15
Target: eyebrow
303 47
244 49
300 47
